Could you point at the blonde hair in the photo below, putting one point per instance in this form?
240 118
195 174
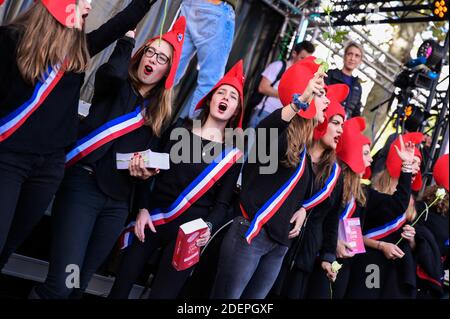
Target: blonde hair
159 113
299 135
411 212
45 42
384 183
352 186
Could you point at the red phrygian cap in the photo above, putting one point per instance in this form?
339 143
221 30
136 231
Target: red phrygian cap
234 77
176 38
336 93
440 171
394 163
64 11
295 80
350 146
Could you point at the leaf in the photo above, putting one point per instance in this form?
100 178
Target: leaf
326 36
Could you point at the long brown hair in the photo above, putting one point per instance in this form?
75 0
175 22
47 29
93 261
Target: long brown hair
45 42
159 112
352 186
429 196
299 135
325 164
384 183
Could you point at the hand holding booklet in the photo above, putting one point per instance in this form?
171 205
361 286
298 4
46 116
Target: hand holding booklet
187 253
151 159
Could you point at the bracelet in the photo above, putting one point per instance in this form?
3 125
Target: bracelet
294 107
299 104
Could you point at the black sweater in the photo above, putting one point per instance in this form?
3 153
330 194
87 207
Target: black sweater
53 126
257 188
212 206
320 231
114 96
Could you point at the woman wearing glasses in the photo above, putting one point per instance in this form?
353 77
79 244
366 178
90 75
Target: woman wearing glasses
132 103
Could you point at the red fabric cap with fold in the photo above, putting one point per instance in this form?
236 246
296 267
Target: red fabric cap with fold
336 93
350 146
295 80
234 77
176 38
63 11
1 2
393 161
440 171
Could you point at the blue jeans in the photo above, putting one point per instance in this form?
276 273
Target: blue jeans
86 225
247 271
209 33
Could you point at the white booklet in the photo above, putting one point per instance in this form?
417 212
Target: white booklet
151 159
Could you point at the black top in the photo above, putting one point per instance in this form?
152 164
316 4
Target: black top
353 100
114 96
320 231
53 126
258 187
438 224
213 205
383 208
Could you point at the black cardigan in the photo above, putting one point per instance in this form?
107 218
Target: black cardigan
114 96
257 188
53 126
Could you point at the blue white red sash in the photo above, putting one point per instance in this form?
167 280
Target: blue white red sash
198 187
274 203
12 122
349 209
385 230
190 195
104 134
326 190
126 237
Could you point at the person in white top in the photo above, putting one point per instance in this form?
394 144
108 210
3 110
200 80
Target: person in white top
270 80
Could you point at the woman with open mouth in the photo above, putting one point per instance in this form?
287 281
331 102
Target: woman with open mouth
254 247
128 113
45 54
189 190
386 219
319 232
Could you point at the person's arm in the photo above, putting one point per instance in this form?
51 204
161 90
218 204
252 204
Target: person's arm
390 251
111 74
224 197
117 26
265 87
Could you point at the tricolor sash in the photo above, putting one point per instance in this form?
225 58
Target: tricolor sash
104 134
197 188
326 190
386 229
207 178
276 201
349 209
13 121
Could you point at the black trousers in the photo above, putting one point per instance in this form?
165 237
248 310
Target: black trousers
28 183
168 282
86 225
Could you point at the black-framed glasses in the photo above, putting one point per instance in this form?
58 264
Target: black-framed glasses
161 58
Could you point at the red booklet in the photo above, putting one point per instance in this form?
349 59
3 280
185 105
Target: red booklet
187 253
350 232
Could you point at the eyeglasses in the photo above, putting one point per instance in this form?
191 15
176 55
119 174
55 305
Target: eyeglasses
161 58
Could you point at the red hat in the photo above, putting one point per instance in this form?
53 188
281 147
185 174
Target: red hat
349 148
440 171
176 38
234 77
1 2
295 80
394 162
62 10
336 93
